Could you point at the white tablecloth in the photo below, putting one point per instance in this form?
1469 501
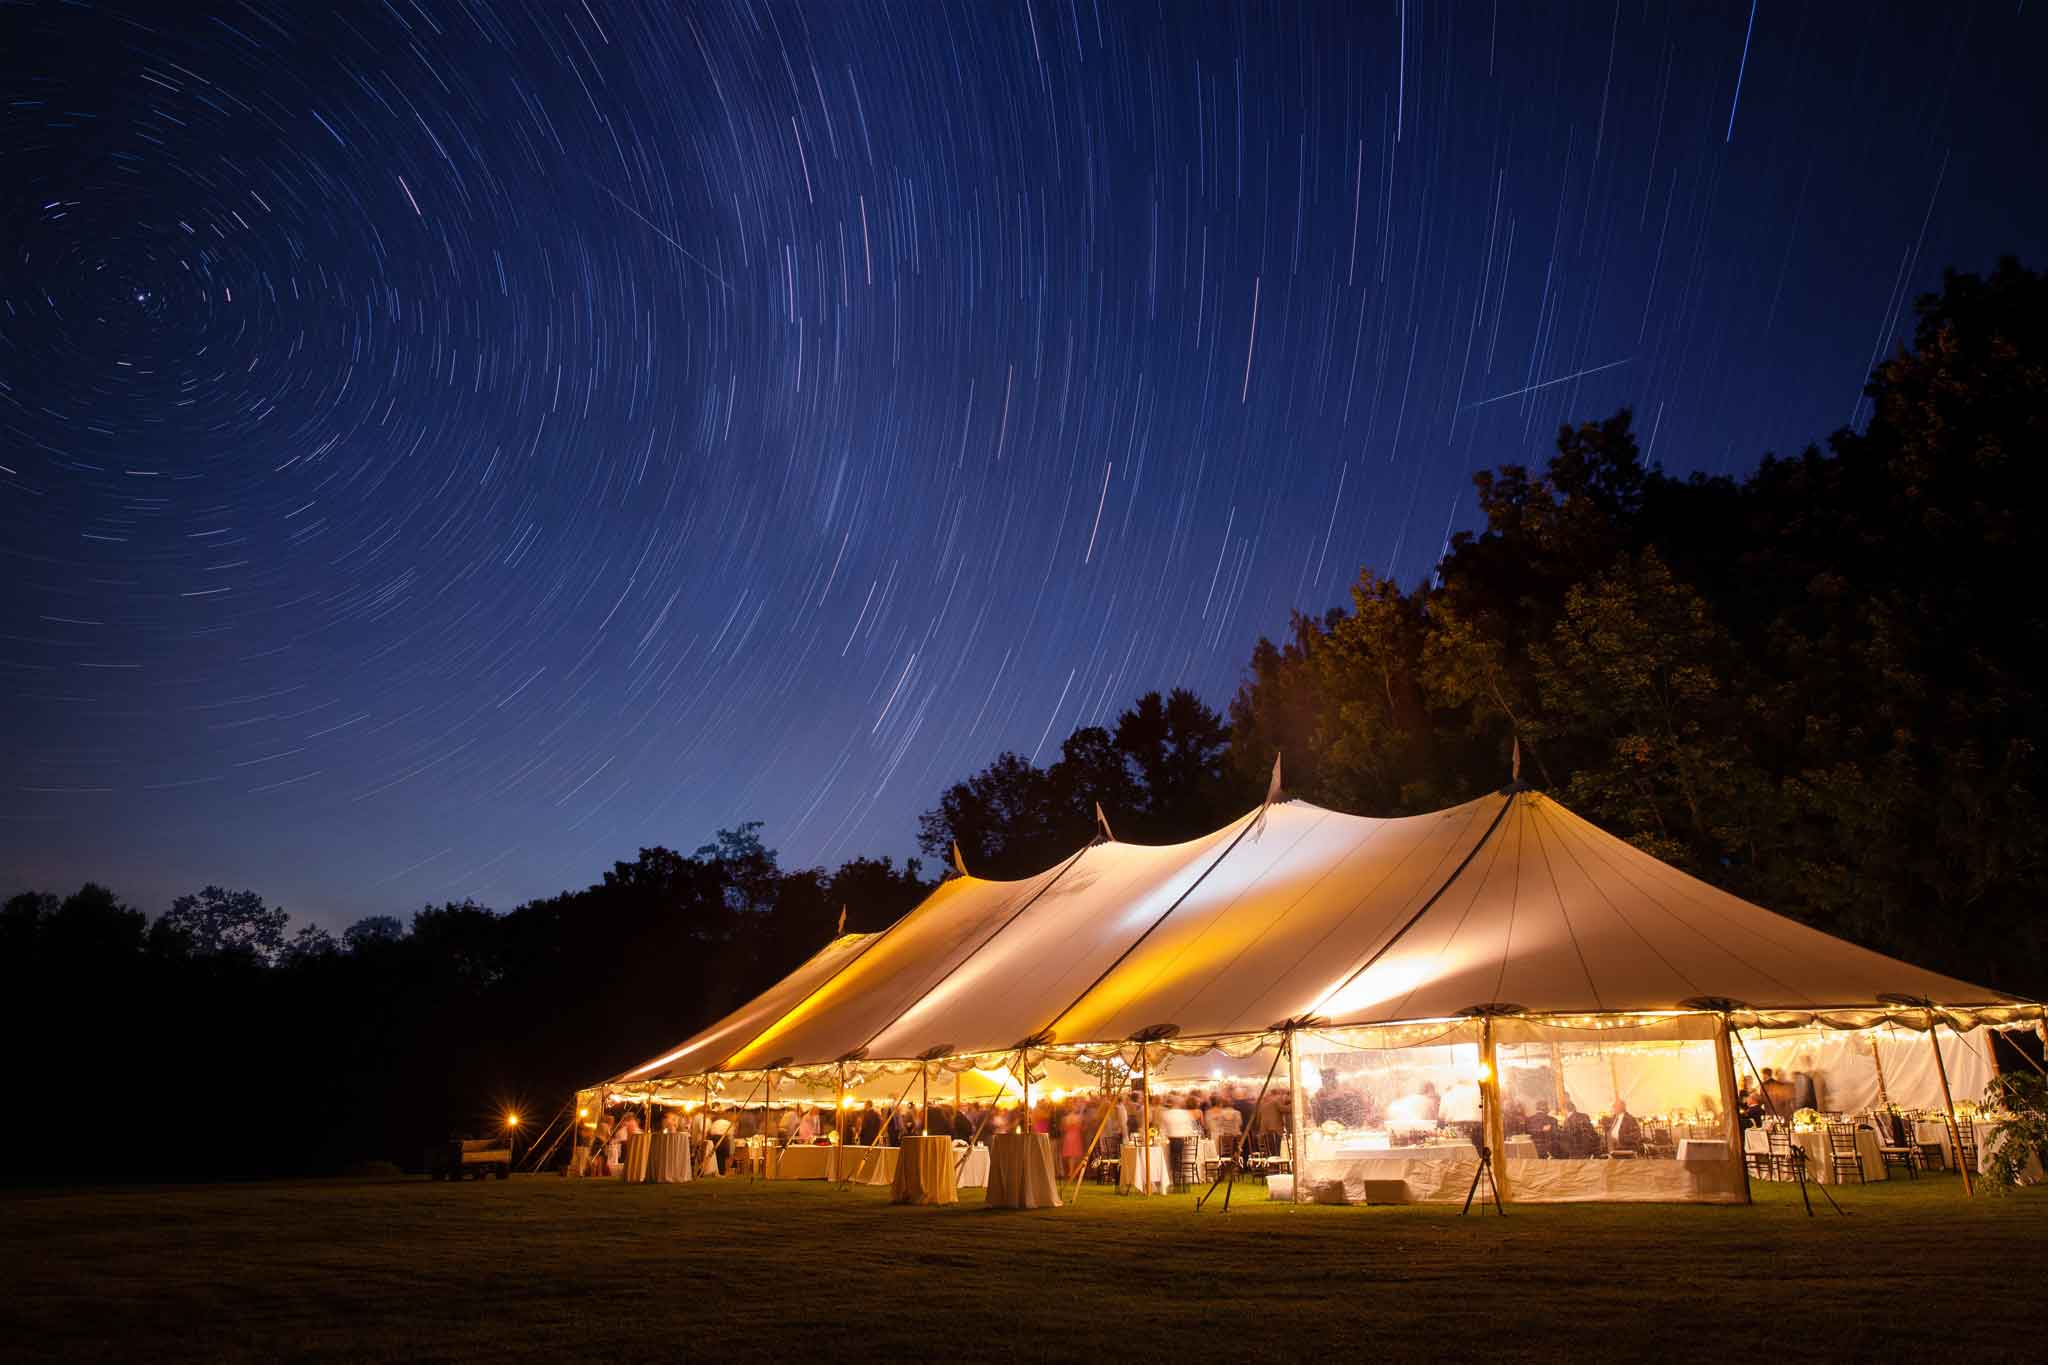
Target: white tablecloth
1131 1170
1935 1132
668 1159
1820 1164
924 1172
973 1170
1020 1172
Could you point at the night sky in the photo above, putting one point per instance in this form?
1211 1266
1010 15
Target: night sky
445 446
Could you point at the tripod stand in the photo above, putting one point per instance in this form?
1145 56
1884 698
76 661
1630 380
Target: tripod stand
1485 1171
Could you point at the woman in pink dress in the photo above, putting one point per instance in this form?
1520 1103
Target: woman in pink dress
1071 1146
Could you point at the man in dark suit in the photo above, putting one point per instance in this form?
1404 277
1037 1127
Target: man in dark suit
1621 1130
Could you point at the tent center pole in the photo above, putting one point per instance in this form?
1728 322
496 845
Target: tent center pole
1955 1127
1492 1119
1296 1118
1731 1103
1145 1119
839 1116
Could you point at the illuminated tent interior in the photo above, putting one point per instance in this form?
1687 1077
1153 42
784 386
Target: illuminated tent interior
1422 982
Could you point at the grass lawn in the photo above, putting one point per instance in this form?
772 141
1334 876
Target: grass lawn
600 1271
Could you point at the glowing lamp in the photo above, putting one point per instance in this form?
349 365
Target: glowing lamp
1485 1072
582 1113
511 1120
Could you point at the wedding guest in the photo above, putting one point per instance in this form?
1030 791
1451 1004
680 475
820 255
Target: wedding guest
1777 1095
1623 1132
1071 1143
1806 1087
1576 1135
719 1133
1222 1119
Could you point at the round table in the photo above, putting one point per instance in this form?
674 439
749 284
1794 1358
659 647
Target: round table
1020 1172
924 1172
633 1166
668 1157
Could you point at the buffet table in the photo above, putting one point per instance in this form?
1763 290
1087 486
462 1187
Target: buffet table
1020 1172
924 1172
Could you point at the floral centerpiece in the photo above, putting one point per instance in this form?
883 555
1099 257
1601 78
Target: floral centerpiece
1805 1119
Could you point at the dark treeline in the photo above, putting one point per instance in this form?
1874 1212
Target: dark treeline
1815 686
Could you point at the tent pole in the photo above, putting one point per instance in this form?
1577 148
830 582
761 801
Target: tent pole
1296 1117
1731 1104
980 1126
1557 1078
1877 1059
1492 1122
1145 1120
924 1075
1236 1163
839 1120
1955 1131
1081 1177
876 1145
1798 1152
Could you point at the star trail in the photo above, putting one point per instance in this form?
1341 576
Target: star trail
445 446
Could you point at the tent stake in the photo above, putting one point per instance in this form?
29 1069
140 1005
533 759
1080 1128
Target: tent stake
1955 1129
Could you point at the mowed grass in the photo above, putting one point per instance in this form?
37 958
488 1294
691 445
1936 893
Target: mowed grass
732 1270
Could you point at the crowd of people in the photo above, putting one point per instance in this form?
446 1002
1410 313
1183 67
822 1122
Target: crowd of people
1086 1124
1075 1123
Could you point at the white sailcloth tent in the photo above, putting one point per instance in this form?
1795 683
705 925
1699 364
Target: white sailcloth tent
1499 956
